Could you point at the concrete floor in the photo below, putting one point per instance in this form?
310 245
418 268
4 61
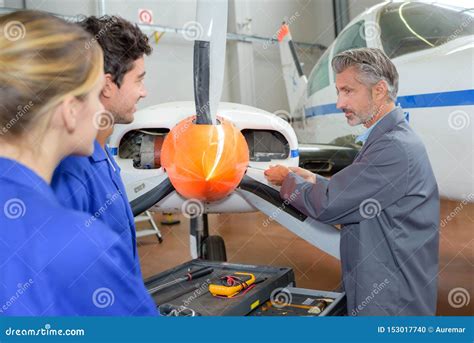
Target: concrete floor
249 242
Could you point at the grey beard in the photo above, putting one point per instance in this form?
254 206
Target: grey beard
371 118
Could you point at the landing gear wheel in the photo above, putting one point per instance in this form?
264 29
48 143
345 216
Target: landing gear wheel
213 249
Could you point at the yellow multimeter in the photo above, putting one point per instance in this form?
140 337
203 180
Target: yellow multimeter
232 285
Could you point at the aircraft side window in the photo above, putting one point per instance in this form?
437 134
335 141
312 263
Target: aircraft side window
319 78
409 27
351 38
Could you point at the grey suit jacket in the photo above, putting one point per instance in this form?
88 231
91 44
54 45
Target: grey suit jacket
388 204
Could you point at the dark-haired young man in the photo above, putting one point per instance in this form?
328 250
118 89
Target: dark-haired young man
93 184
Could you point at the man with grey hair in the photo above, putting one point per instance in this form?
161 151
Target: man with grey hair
386 201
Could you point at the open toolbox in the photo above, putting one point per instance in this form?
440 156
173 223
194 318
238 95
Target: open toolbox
194 294
292 301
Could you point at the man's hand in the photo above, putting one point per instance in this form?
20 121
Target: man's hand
276 174
305 174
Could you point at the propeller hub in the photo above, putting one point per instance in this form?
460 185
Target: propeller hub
205 162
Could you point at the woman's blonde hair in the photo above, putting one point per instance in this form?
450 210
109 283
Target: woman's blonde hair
43 59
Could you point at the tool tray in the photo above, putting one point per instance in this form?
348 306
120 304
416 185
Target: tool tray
296 298
200 300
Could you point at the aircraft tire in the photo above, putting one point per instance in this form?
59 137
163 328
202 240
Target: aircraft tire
213 249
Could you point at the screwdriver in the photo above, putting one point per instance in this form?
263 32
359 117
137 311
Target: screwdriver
188 277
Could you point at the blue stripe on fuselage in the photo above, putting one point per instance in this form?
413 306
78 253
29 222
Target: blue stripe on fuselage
442 99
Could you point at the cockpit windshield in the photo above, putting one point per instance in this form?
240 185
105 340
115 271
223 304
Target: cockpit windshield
408 26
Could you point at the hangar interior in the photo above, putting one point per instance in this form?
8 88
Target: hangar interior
252 74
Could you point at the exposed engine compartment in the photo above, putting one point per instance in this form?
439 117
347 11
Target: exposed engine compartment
143 146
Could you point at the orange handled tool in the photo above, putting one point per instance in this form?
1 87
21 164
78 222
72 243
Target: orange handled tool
231 285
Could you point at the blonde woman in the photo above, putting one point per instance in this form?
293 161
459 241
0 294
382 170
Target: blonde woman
54 261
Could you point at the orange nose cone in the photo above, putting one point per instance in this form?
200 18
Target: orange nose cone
205 162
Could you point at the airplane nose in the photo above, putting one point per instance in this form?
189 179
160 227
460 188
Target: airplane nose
205 162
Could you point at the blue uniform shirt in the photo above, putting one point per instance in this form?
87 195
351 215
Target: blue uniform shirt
93 185
53 263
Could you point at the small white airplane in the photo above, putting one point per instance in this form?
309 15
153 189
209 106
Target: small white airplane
270 140
435 81
432 46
